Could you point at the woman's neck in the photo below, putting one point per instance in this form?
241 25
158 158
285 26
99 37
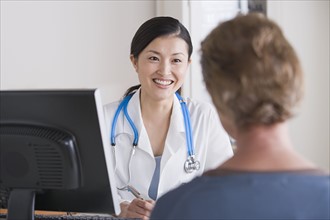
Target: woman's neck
150 107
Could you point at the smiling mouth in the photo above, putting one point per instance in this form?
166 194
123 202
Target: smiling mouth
163 82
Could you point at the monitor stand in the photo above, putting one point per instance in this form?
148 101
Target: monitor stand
21 204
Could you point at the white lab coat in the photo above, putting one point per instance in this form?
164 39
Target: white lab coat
211 142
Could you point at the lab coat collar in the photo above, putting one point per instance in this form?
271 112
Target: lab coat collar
134 111
176 134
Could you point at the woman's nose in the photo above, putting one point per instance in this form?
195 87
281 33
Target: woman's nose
165 68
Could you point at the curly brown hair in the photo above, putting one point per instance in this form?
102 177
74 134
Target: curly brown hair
251 71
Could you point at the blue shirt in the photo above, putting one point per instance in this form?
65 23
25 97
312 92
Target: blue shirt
153 189
259 195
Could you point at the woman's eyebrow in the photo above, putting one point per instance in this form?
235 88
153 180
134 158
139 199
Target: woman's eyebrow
156 52
153 51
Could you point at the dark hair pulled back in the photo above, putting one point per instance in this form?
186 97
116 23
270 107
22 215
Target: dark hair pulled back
154 28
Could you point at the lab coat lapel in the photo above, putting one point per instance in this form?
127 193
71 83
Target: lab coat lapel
175 151
176 134
134 111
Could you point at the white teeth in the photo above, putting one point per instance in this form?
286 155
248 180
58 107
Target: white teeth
163 82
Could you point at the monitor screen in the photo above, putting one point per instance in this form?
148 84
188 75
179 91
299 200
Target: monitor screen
54 153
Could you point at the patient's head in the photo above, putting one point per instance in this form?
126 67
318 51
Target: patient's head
251 71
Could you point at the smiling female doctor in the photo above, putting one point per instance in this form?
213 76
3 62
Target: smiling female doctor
160 140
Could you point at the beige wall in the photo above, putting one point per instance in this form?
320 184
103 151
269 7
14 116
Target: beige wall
306 24
70 44
80 44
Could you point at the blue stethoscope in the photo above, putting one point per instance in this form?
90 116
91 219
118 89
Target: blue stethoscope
190 165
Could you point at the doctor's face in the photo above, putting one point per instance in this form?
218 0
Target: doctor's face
162 67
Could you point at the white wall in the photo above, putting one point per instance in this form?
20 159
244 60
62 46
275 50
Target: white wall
306 25
70 44
83 44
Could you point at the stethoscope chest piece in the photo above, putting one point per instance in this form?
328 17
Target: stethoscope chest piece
191 165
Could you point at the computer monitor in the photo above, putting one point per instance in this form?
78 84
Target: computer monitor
54 153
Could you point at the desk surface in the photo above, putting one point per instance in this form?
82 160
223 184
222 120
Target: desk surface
37 212
65 215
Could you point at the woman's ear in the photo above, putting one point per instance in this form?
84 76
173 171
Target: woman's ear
134 61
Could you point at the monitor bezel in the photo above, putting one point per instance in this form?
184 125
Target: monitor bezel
98 105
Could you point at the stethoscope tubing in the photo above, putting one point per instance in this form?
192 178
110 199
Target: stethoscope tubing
190 165
186 116
123 105
136 134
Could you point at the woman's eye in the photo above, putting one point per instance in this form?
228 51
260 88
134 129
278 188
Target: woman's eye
177 61
153 58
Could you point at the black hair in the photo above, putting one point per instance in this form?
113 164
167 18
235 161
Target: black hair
157 27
